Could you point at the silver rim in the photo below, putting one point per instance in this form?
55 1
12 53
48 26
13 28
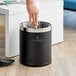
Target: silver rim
33 29
38 30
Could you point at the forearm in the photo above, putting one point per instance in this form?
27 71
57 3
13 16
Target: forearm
29 1
32 11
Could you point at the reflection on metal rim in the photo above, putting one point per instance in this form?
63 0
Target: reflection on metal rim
41 27
38 30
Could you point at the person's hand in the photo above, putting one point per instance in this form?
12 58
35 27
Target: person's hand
33 13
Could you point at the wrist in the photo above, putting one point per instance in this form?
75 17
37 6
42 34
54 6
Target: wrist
29 2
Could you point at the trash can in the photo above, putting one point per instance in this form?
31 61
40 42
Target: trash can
35 44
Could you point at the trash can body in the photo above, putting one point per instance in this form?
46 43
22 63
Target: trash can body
35 45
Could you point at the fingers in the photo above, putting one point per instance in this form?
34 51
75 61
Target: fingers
36 18
33 18
30 18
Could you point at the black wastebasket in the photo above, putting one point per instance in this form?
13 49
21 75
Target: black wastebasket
35 44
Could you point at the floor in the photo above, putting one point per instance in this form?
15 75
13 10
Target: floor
63 57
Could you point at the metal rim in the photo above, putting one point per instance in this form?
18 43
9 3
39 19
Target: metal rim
34 30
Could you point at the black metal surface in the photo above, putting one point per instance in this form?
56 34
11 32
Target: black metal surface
35 48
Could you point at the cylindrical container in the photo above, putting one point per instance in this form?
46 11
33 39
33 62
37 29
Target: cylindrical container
35 44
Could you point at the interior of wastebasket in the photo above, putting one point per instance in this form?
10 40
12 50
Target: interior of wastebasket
41 24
